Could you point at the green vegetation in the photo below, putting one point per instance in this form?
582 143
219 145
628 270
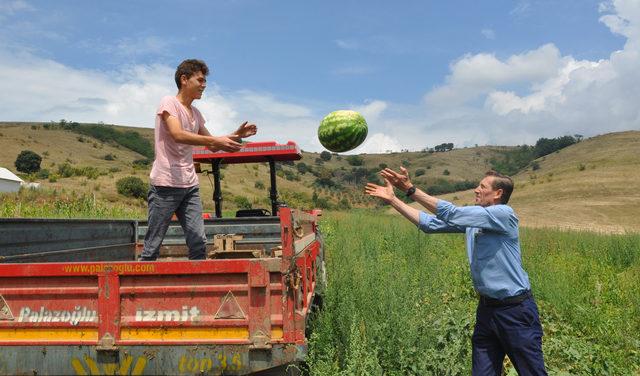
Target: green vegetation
131 140
28 162
355 160
41 203
242 202
513 160
400 302
132 186
443 147
325 156
441 186
66 170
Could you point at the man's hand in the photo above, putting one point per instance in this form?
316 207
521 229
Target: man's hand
223 143
386 193
245 130
399 180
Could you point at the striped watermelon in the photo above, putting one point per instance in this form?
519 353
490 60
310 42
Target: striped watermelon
342 131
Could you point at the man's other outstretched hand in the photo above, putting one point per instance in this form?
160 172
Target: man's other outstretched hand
384 192
399 180
245 130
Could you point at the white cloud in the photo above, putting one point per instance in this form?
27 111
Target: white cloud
488 33
130 47
378 143
46 90
485 98
267 104
475 75
521 9
353 70
9 8
347 44
372 110
542 93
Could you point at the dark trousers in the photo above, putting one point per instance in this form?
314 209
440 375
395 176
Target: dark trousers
513 330
186 203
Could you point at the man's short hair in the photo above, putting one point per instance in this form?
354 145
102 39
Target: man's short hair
503 182
190 67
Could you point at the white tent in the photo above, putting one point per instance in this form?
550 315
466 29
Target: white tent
9 182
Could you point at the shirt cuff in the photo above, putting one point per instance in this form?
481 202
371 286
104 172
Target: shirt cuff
425 219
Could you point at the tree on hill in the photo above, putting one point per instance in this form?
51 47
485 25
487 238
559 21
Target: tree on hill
443 147
28 162
325 155
355 160
302 167
546 146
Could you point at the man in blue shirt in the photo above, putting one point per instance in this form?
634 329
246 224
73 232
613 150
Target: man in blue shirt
507 318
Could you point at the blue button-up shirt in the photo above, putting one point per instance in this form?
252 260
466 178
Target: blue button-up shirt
493 245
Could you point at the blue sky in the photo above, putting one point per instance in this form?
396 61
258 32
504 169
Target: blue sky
421 72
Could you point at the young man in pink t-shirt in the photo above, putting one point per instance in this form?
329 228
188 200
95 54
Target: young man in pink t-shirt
174 183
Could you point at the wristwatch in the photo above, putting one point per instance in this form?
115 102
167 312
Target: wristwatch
411 191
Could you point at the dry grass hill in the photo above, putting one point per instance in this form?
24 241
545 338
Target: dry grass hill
590 185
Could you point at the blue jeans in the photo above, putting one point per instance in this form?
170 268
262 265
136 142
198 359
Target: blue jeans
513 330
186 203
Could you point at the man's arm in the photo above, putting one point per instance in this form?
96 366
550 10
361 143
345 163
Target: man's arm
427 223
181 136
244 130
493 218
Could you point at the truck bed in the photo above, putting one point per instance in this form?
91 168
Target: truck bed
95 313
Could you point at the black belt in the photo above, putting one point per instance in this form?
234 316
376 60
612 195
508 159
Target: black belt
512 300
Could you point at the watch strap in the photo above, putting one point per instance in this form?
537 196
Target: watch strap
411 191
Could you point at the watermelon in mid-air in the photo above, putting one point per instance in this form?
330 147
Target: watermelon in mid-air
342 131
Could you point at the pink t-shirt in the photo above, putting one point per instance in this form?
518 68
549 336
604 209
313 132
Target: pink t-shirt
173 165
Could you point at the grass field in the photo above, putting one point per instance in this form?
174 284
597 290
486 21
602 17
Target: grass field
400 302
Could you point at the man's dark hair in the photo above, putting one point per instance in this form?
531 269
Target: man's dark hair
501 182
190 67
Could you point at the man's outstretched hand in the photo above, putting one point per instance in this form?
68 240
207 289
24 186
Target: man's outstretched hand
384 192
245 130
399 180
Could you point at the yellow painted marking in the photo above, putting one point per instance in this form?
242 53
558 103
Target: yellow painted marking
93 366
277 332
139 367
223 361
77 366
109 368
183 333
125 364
237 361
48 334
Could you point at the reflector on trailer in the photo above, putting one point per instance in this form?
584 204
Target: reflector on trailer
229 308
5 311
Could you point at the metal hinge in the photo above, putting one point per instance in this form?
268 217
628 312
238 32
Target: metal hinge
107 343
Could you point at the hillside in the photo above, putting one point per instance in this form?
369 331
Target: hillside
592 185
589 185
341 186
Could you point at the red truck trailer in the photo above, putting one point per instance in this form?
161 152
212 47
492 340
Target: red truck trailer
73 300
